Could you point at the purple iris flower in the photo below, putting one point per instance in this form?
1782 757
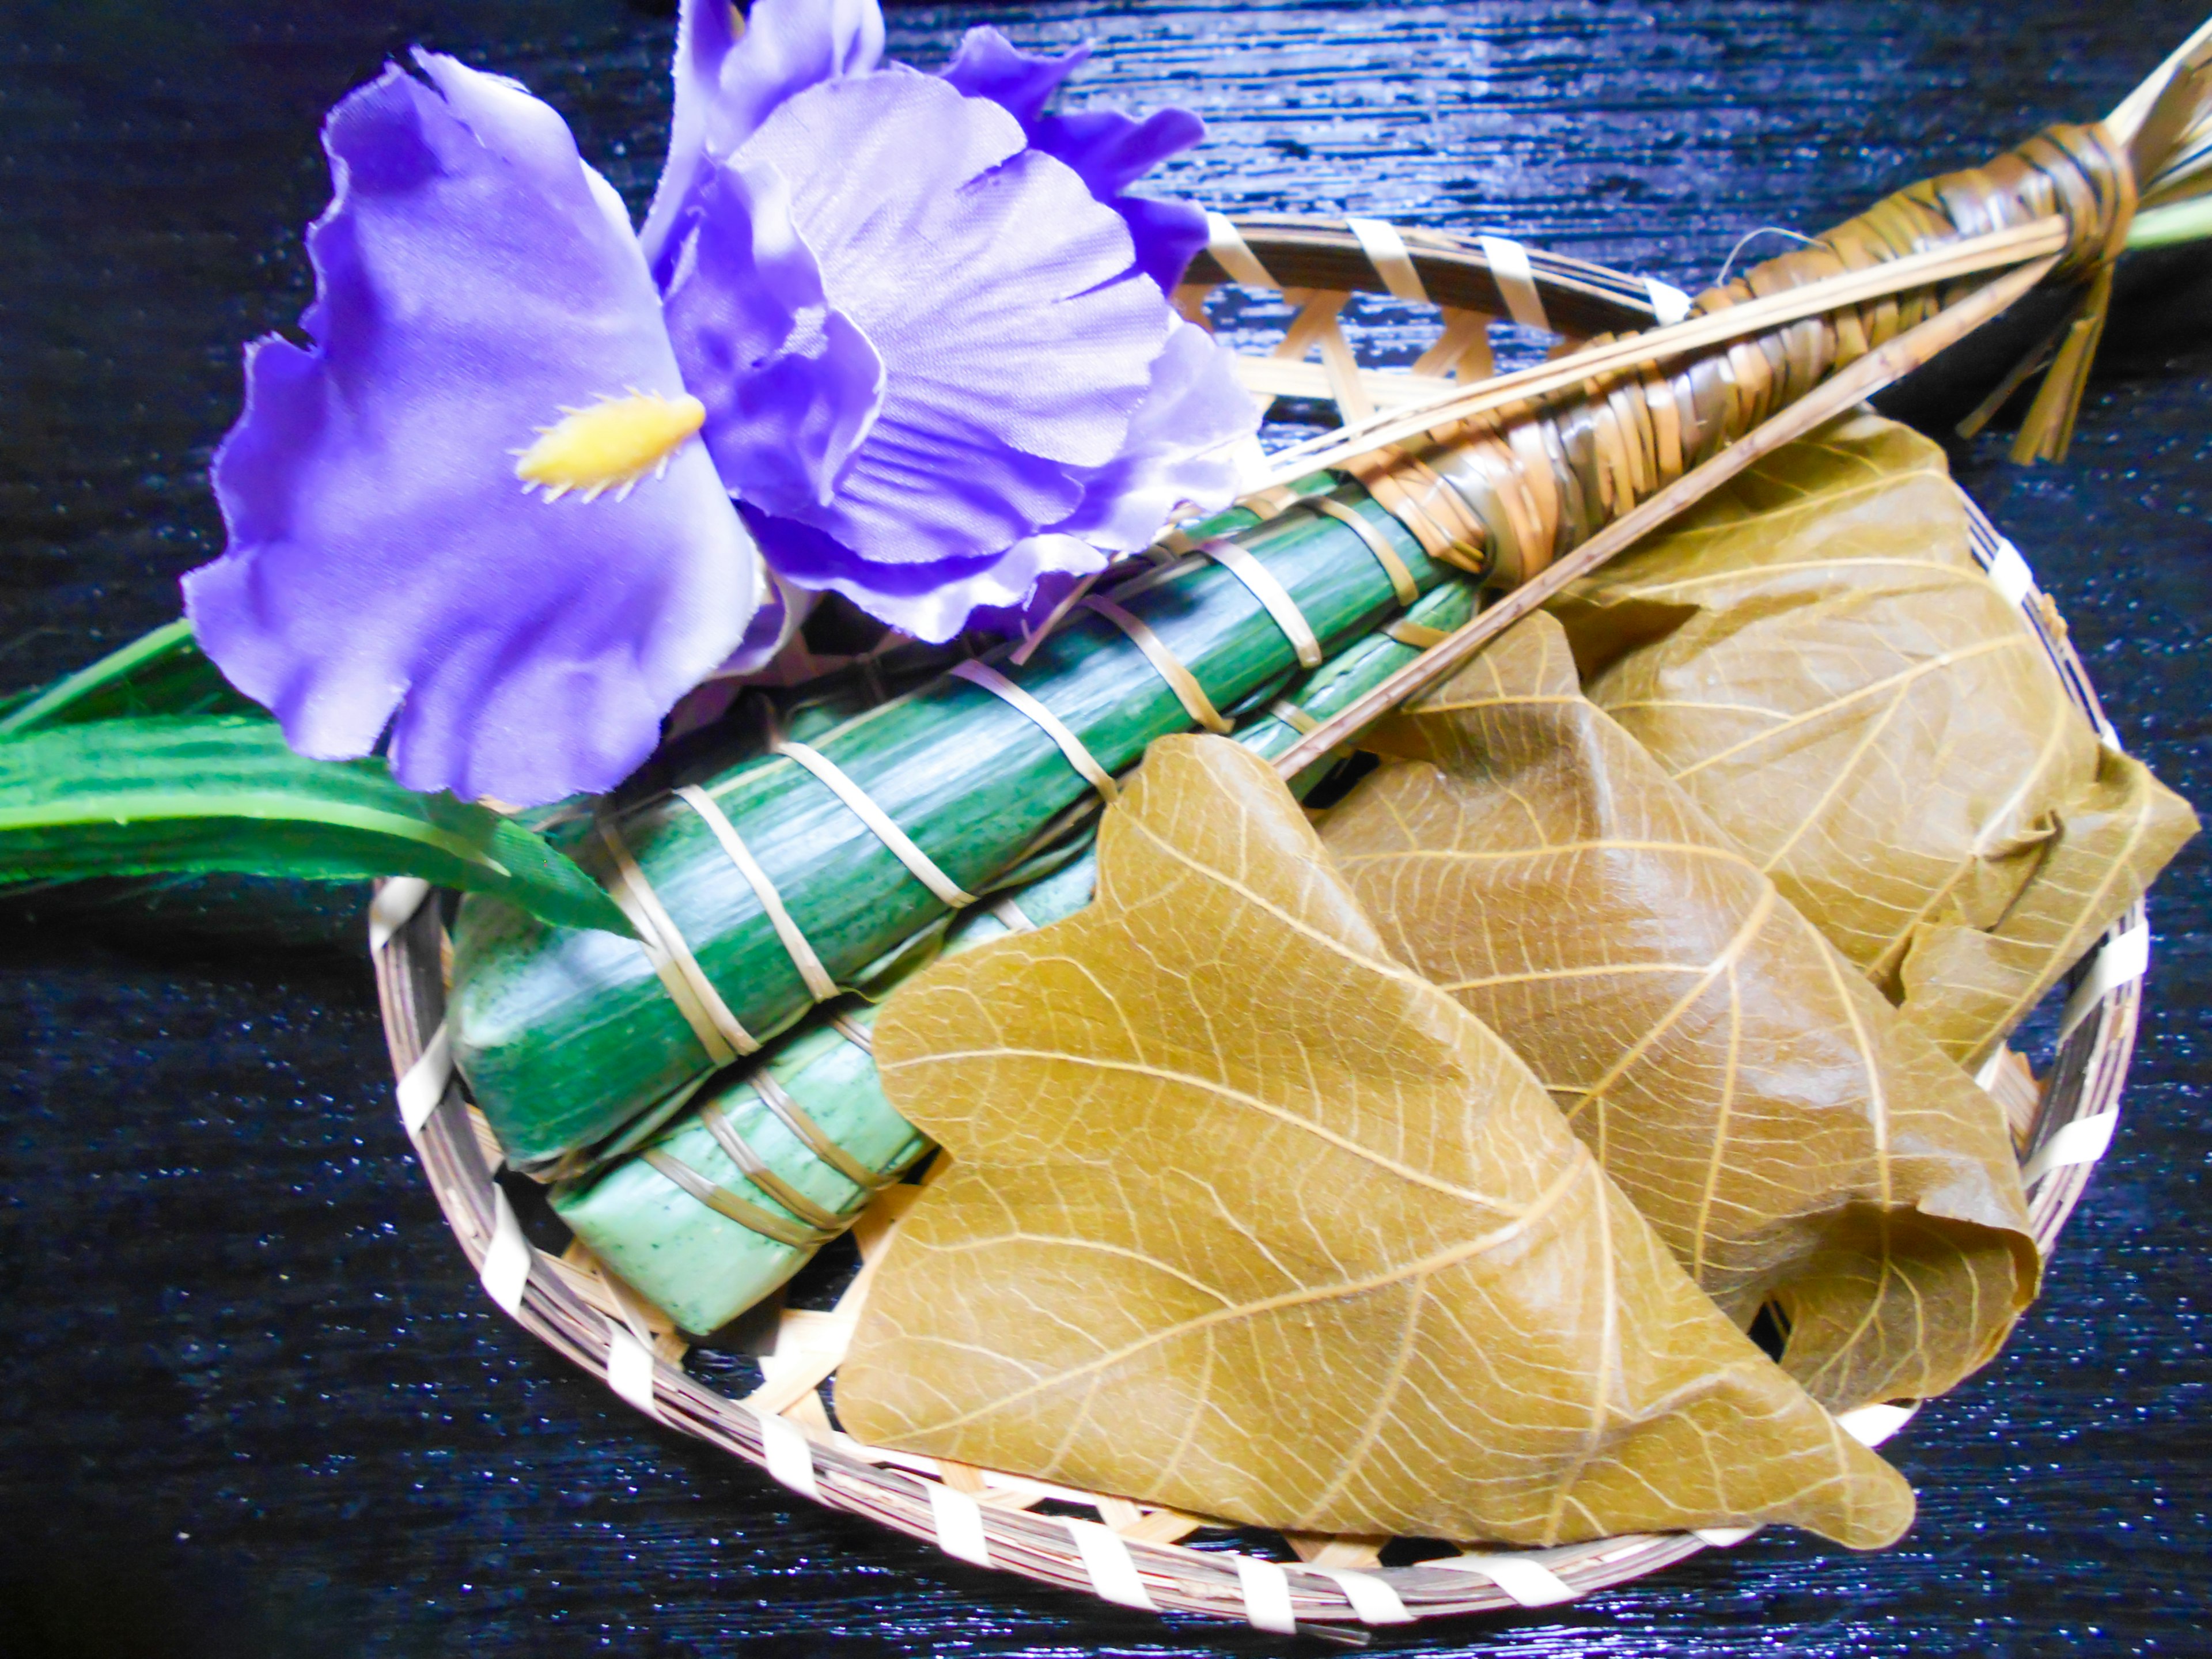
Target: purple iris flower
474 279
1037 406
1109 150
915 328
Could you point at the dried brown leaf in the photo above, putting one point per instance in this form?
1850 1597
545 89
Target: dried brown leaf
1247 1219
1784 1131
1814 656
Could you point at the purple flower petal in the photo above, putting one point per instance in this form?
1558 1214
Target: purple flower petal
729 76
1168 235
988 65
1110 151
1018 620
985 278
473 277
783 611
1182 450
931 601
936 373
791 386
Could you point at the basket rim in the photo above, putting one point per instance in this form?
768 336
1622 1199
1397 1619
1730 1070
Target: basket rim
2073 1123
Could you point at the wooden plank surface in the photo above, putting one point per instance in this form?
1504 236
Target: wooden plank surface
254 1401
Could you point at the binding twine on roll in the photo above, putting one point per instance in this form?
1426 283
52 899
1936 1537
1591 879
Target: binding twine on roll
1506 486
2084 173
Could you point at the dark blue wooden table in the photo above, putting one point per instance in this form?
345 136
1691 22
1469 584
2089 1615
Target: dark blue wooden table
251 1401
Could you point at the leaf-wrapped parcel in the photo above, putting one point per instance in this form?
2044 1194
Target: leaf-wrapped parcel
1246 1218
1814 656
1784 1131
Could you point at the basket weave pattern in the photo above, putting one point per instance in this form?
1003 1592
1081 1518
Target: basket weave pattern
1129 1554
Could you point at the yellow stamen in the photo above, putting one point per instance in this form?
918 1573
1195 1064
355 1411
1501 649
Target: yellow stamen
617 441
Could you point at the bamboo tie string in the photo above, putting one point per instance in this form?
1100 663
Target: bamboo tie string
694 994
818 1141
1537 473
1301 722
1665 422
1168 666
1417 635
896 840
1466 533
1011 915
754 1169
1272 594
1038 635
1386 250
1616 474
1401 580
1422 513
1496 485
1634 422
1262 504
731 1207
802 955
987 678
1516 282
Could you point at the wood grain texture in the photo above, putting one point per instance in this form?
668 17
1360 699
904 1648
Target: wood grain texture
236 1316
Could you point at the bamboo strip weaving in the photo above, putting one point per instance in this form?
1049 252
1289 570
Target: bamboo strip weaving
694 994
987 678
820 985
1169 667
901 845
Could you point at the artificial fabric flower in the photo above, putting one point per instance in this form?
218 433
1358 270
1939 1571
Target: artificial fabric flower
475 282
489 510
1041 407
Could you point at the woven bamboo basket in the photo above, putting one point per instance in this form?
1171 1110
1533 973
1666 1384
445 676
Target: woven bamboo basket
1098 1543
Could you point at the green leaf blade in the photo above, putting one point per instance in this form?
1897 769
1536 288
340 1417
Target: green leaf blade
195 794
163 672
